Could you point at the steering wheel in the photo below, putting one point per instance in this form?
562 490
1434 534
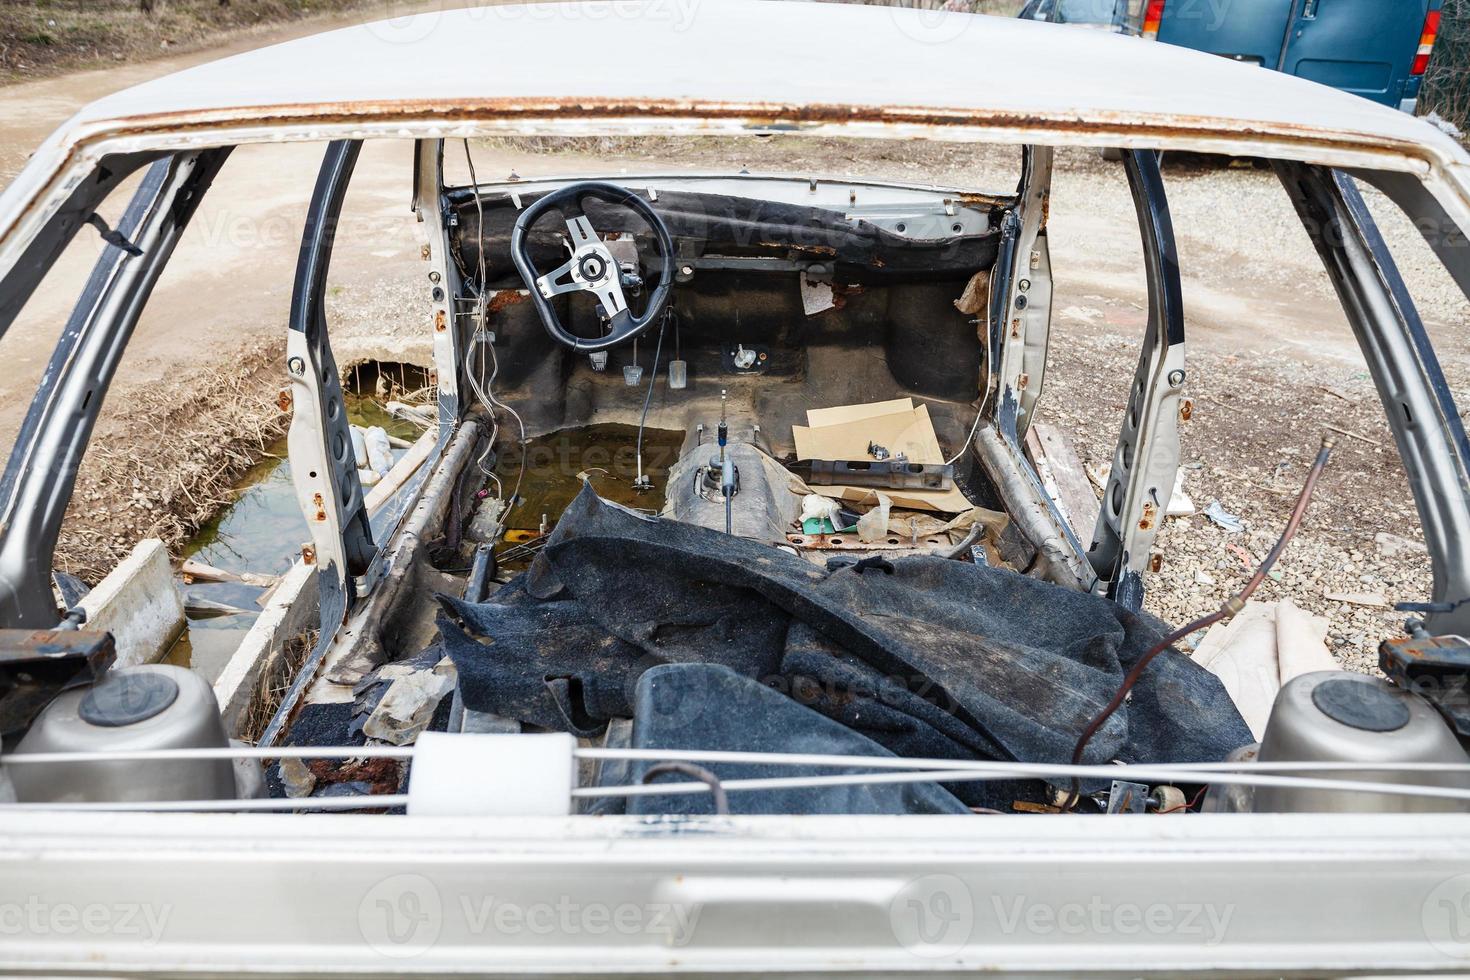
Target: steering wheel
591 268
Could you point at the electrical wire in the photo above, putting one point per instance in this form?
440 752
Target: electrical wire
979 414
924 771
479 217
1187 806
1163 772
709 779
1416 790
999 772
486 391
1227 611
515 497
478 341
652 380
371 801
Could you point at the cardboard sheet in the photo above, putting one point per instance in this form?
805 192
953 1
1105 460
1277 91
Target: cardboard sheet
844 432
843 414
1258 651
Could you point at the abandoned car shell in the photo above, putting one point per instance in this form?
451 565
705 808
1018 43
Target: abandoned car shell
860 896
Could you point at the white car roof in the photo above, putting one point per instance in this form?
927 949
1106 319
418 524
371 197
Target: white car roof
766 62
734 67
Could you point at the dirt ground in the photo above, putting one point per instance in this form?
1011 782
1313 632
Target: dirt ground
42 38
196 391
1272 362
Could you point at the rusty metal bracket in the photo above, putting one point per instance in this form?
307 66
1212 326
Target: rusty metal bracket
37 665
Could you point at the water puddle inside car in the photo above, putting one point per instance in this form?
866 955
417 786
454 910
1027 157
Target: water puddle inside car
556 465
262 532
606 454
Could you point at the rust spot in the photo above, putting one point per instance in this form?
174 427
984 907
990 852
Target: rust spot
439 321
985 200
1112 124
840 293
1026 806
505 298
1155 563
283 400
1186 409
800 250
320 505
1150 512
1022 381
425 253
308 554
382 775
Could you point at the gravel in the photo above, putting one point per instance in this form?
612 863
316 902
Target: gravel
1253 435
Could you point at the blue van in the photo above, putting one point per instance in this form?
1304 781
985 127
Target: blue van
1378 49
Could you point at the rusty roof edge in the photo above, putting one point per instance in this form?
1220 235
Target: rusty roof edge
757 115
78 141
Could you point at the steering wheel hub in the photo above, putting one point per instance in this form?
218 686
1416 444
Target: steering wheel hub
593 267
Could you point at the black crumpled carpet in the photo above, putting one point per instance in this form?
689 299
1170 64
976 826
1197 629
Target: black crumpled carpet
709 707
926 656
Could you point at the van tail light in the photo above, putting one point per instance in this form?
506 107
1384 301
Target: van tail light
1426 43
1153 14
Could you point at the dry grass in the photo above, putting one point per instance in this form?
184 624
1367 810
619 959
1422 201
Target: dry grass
1447 85
275 679
166 456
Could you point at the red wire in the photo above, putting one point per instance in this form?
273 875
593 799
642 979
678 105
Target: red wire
1186 806
1227 611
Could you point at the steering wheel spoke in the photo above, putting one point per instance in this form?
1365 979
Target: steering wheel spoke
591 267
581 231
610 294
551 284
